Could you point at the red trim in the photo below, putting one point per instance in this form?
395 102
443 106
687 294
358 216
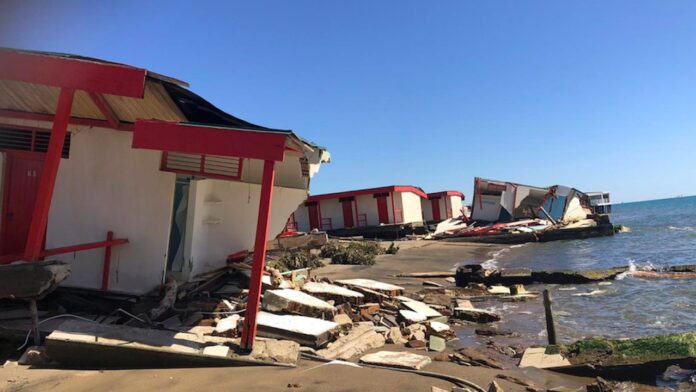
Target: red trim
72 73
391 195
37 229
445 193
73 120
198 139
67 249
105 109
386 189
254 299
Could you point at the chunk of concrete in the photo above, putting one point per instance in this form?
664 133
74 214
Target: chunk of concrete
216 351
421 308
359 340
373 285
499 290
296 302
537 357
412 317
404 360
82 343
343 320
476 315
394 336
227 324
332 292
436 343
307 331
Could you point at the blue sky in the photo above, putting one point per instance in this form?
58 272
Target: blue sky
593 94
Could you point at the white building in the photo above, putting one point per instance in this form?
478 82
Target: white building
360 208
442 205
132 202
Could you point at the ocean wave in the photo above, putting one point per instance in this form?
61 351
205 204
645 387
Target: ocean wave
684 228
494 257
633 266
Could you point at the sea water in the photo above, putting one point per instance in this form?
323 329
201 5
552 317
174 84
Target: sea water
663 233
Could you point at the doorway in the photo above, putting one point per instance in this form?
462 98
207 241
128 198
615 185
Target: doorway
20 186
382 209
435 203
177 234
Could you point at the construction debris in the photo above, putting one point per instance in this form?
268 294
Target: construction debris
307 331
403 360
331 292
296 302
360 339
476 315
537 357
373 285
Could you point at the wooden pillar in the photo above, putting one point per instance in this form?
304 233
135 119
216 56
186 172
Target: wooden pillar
39 219
253 303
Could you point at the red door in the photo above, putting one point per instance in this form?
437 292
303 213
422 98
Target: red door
21 184
347 213
313 216
436 208
382 209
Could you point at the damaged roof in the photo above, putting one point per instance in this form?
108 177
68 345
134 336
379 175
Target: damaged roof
165 98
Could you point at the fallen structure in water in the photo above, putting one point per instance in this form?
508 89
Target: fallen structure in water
511 213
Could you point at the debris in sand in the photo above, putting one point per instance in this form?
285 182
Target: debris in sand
537 357
307 331
332 292
494 387
296 302
373 285
499 290
420 307
403 360
359 339
412 317
476 315
476 357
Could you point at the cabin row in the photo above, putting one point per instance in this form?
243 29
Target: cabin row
389 205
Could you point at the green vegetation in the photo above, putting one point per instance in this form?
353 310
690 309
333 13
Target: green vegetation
392 249
632 351
357 253
296 259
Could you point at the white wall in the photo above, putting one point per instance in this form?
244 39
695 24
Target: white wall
225 217
490 210
107 185
302 218
410 204
455 203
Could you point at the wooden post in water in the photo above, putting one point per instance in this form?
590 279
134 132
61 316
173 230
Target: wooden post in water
550 327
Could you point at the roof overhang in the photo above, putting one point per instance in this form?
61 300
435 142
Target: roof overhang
445 193
391 188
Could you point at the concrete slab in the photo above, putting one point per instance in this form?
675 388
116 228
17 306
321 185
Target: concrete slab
296 302
404 360
536 357
369 284
92 345
360 339
422 308
411 316
307 331
338 294
476 315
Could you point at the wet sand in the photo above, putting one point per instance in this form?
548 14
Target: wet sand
417 256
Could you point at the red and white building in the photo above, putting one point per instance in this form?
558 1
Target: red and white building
132 178
360 208
443 205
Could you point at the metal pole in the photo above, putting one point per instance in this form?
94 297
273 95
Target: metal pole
249 329
35 321
550 327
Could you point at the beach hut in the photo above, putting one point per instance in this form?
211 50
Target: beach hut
442 205
362 208
132 178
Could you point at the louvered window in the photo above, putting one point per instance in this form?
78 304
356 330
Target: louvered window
212 166
29 140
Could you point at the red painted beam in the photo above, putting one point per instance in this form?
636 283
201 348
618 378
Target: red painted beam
384 189
47 182
198 139
67 249
72 73
254 299
73 120
105 109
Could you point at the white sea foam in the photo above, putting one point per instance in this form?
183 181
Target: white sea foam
685 228
492 262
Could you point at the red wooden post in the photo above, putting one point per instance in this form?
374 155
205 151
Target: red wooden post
249 329
106 269
39 219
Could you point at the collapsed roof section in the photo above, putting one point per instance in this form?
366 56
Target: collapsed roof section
503 201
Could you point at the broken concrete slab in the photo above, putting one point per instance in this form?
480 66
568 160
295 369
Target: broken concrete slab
436 343
537 357
476 315
31 279
296 302
343 320
373 285
359 340
81 343
227 324
332 292
412 317
420 307
394 336
499 290
404 360
303 241
475 273
307 331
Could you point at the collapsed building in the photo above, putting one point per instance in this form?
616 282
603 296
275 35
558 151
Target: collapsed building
131 178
